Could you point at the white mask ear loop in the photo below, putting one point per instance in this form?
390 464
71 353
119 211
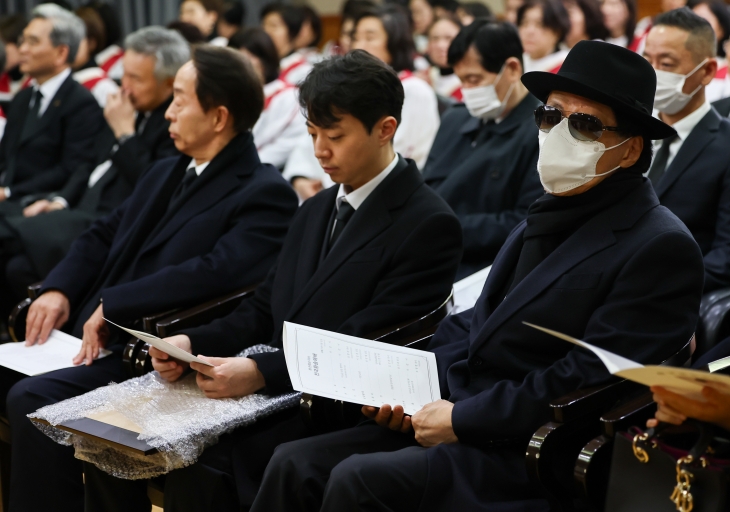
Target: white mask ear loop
692 73
618 166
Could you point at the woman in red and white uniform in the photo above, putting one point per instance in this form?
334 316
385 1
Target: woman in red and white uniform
440 75
283 24
385 33
543 25
281 125
619 16
86 72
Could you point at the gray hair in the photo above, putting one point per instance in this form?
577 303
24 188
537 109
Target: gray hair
168 47
68 29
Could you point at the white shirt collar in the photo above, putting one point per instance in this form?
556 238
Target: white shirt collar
357 197
49 88
198 168
685 125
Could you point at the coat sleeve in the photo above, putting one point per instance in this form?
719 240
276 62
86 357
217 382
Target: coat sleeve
717 260
418 281
648 315
241 257
136 155
485 233
79 129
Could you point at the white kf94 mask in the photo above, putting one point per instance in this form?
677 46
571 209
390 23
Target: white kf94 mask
565 162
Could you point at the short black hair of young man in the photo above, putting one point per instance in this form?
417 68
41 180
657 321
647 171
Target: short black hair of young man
226 78
701 42
257 42
357 84
495 42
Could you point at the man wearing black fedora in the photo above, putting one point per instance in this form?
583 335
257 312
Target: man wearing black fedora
593 259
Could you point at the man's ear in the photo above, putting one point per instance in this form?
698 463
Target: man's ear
62 52
221 119
386 127
513 68
633 151
710 70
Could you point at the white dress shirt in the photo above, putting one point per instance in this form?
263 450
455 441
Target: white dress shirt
357 197
49 89
198 168
683 127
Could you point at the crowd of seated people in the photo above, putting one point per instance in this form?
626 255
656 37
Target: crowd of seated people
577 151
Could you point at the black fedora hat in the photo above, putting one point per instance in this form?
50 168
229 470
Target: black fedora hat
608 74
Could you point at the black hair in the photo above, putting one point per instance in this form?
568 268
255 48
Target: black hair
292 16
594 26
630 27
400 36
447 5
554 15
495 42
720 11
225 78
357 84
11 28
234 13
256 41
3 56
209 5
311 16
190 32
111 21
351 9
701 40
476 9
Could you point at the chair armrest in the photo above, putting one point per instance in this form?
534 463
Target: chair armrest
203 313
633 412
590 401
33 290
16 321
714 325
412 330
710 298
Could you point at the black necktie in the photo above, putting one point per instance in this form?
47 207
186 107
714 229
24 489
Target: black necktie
659 165
31 119
187 180
343 215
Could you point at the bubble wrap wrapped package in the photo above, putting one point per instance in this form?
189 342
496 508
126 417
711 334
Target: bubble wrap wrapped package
176 418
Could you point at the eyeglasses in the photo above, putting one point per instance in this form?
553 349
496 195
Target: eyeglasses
582 126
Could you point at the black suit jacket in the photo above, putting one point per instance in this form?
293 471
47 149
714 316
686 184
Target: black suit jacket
395 260
129 162
488 175
223 233
62 143
629 280
696 188
722 106
46 238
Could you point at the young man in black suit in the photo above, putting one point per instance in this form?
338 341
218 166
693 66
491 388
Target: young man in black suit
378 250
52 125
136 135
691 172
597 258
483 159
195 227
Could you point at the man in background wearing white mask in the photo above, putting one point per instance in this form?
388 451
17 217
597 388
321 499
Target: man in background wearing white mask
483 159
691 171
601 261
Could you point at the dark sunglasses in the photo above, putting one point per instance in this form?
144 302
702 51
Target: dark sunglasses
582 126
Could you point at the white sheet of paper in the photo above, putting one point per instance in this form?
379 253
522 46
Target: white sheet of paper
55 354
162 345
356 370
683 381
468 290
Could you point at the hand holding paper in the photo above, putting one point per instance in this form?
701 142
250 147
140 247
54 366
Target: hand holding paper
357 370
682 381
162 345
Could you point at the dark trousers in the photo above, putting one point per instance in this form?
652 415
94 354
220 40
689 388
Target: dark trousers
363 468
225 478
45 475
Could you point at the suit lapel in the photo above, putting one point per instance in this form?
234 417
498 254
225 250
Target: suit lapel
51 112
594 236
313 240
371 219
218 181
699 138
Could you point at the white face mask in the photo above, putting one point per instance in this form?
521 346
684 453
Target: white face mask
483 103
669 98
565 162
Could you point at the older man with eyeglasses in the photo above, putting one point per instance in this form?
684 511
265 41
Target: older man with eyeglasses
597 258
